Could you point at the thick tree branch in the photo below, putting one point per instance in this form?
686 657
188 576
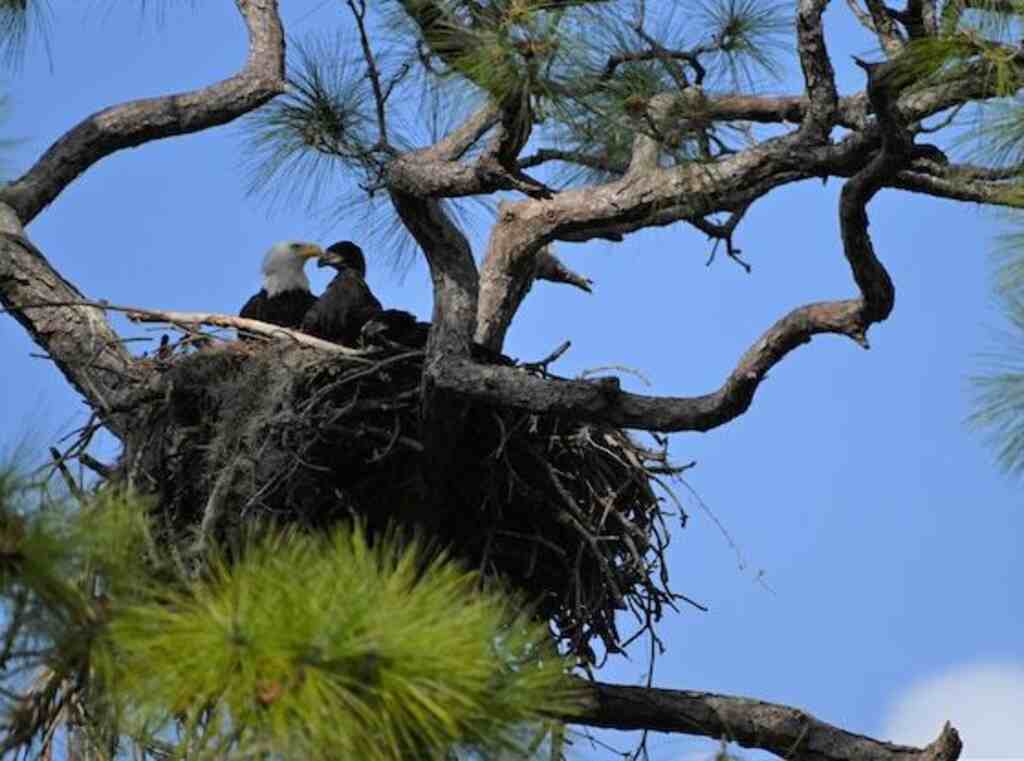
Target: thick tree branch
641 199
605 402
663 196
948 182
455 284
971 83
452 271
885 27
78 338
551 268
454 145
436 172
137 122
503 290
787 732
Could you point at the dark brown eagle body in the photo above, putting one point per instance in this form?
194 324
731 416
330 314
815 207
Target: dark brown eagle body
285 309
347 304
340 313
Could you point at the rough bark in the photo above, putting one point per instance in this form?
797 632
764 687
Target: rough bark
79 339
787 732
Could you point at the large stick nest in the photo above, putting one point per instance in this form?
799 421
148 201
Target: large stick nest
568 513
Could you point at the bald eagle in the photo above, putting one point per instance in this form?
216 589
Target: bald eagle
396 326
347 304
285 297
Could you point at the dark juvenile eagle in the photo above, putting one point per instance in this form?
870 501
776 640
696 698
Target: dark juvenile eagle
396 326
285 297
347 304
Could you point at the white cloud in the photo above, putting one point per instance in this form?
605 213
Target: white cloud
985 702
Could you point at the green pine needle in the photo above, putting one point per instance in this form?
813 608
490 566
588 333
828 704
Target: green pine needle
333 648
301 142
751 35
19 19
999 390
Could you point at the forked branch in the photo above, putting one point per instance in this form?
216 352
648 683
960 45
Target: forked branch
852 317
131 124
76 336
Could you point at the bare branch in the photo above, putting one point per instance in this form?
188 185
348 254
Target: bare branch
605 401
888 33
137 122
787 732
358 10
436 172
641 199
454 146
550 267
959 187
724 233
819 77
544 155
862 16
255 327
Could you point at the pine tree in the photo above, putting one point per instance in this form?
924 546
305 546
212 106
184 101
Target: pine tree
212 630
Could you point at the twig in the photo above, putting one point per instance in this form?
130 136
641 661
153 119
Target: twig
214 508
542 365
358 8
69 481
142 314
617 368
97 467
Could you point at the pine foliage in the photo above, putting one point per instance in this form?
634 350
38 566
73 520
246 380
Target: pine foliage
289 644
999 390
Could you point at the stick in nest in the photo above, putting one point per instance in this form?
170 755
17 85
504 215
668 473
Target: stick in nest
213 319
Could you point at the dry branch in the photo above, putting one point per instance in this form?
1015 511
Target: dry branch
787 732
255 327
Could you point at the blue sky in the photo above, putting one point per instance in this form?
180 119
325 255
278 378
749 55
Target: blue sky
876 545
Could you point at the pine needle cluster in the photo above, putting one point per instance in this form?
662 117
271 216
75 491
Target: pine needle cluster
289 644
328 648
19 20
999 390
301 141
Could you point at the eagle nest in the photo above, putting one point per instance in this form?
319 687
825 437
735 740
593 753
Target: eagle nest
569 513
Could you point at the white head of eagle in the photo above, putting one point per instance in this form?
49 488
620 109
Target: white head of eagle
284 264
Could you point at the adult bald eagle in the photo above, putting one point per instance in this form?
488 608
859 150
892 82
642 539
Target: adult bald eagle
340 313
285 297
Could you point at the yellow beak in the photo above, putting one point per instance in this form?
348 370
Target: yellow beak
310 251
